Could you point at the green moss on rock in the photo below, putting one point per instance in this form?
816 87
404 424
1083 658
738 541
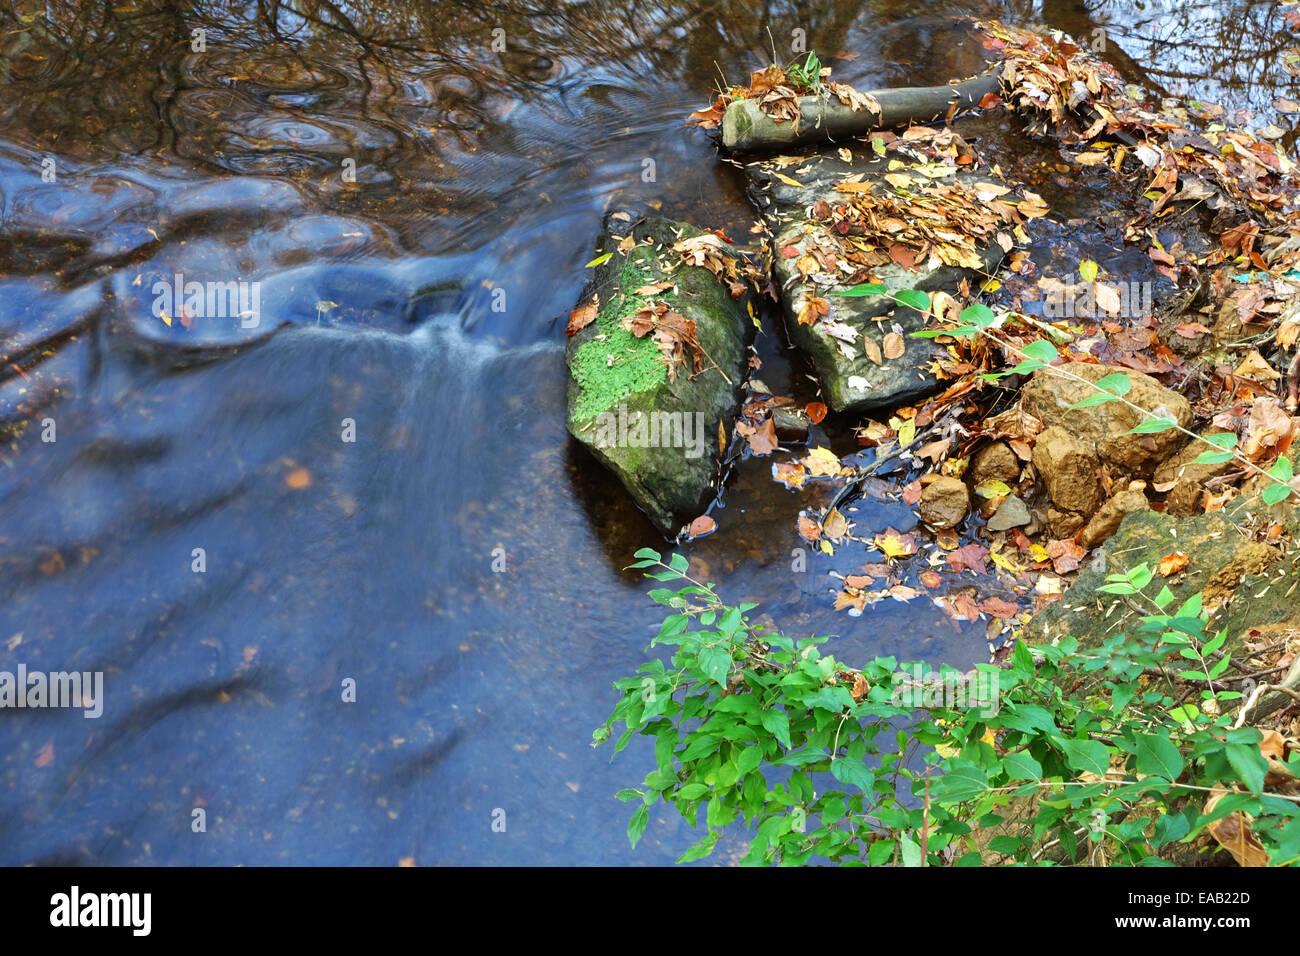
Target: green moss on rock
615 363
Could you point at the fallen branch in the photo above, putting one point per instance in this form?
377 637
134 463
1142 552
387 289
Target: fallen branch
1268 698
745 127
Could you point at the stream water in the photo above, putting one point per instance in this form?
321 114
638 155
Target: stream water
415 209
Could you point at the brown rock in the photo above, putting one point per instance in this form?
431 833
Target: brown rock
1064 524
1251 557
1188 480
944 502
1049 397
1108 517
995 462
1068 467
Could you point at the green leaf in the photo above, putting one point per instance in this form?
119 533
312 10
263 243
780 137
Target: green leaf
910 851
866 288
1275 493
701 849
1087 756
962 781
1156 755
600 261
1042 350
978 315
1149 426
1021 766
1215 643
1088 270
692 791
1025 367
636 826
1116 382
776 723
916 299
1249 764
1221 440
881 852
716 663
1097 398
853 773
1213 458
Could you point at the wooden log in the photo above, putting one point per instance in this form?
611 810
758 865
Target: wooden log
746 128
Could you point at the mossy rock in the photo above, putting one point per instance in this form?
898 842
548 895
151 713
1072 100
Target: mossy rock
659 437
1221 565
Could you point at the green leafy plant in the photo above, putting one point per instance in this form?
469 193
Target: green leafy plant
808 75
813 761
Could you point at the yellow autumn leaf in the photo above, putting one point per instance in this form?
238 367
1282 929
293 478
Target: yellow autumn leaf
993 488
822 463
894 545
1002 561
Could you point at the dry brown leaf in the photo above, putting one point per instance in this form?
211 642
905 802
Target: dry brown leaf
835 525
1255 366
1233 833
893 345
872 350
581 317
763 439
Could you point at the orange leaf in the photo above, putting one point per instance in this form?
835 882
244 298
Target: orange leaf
1173 563
701 526
580 318
298 479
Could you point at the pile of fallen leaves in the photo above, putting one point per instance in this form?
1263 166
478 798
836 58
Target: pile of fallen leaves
673 333
777 93
913 218
1085 103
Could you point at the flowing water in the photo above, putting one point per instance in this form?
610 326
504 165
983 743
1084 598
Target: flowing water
411 209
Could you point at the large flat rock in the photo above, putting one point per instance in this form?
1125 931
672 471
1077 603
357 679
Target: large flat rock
800 202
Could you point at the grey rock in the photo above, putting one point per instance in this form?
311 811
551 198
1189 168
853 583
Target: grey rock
853 383
1012 513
